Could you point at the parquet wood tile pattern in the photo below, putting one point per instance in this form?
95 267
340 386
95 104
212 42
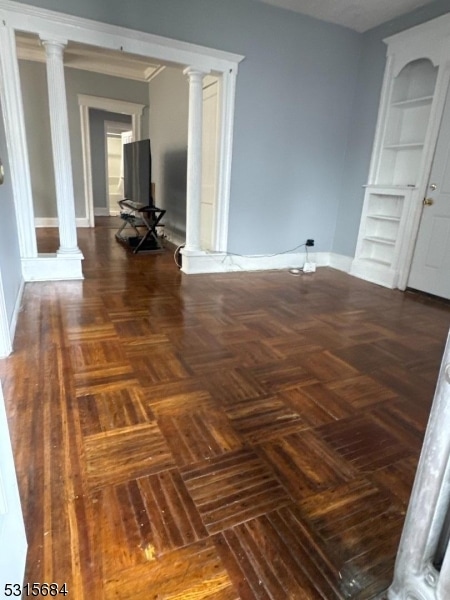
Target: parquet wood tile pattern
241 436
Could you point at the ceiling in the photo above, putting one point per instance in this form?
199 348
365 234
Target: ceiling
359 15
90 58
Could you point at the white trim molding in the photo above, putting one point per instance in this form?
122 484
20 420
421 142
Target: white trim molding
27 18
13 116
340 262
222 208
100 211
221 262
123 107
194 159
53 25
52 267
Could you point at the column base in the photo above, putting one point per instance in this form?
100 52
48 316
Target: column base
70 252
198 261
53 267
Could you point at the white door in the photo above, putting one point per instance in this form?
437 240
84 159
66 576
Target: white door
209 161
13 544
430 270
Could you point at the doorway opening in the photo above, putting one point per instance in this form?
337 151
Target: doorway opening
116 135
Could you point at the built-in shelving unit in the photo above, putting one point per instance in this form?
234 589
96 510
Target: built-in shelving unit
379 243
407 122
396 170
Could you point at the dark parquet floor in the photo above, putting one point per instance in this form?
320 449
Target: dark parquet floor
244 435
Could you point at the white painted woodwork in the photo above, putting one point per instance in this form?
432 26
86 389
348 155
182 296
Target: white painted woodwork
412 101
49 24
13 116
93 59
416 576
194 160
52 267
380 250
430 269
13 543
62 163
209 162
123 107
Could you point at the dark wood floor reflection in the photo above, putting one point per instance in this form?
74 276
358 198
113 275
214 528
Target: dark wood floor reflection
246 435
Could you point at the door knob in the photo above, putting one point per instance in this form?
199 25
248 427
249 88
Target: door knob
433 186
428 201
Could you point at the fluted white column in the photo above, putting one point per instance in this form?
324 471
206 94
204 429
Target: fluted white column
62 163
13 115
194 159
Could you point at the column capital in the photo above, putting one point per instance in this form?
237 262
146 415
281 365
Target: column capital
54 46
194 73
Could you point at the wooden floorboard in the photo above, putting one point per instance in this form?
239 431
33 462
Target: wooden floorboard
238 436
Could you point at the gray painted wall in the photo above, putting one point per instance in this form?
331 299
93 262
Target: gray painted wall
34 86
33 79
168 118
363 123
10 266
97 120
293 108
306 108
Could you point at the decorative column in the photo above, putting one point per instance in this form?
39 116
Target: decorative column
194 160
13 116
422 568
62 163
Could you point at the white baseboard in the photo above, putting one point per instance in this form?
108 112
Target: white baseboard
52 267
53 222
220 262
101 212
379 274
340 262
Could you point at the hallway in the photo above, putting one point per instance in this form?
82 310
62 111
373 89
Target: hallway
243 435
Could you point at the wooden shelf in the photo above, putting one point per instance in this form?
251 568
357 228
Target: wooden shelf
413 102
405 146
384 218
380 240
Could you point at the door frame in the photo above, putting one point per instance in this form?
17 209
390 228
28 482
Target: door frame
412 228
85 102
427 180
209 81
429 40
13 542
50 24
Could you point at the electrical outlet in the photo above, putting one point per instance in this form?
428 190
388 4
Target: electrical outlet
309 267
